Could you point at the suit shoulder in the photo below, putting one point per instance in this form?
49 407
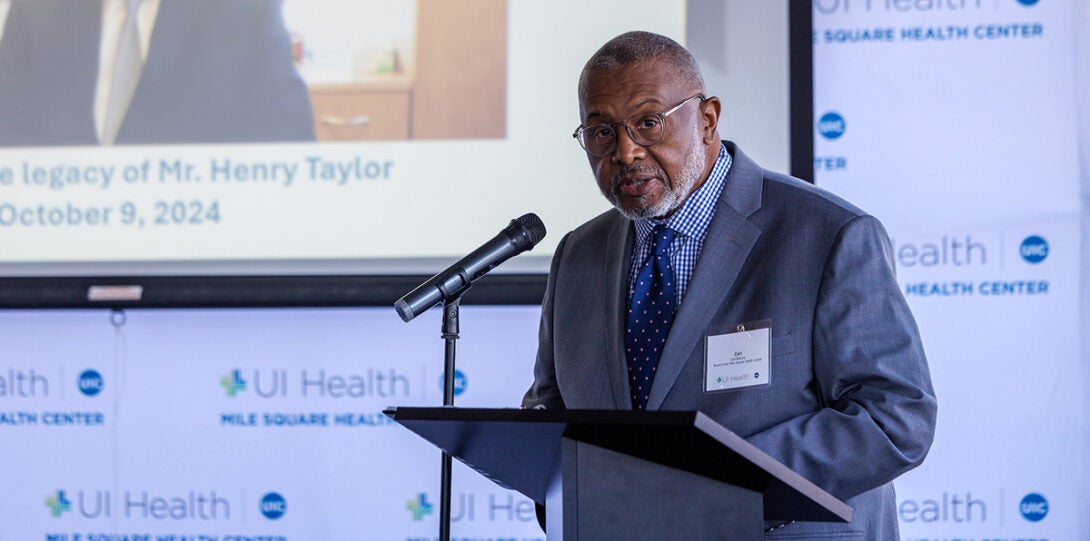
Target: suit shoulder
806 201
596 228
793 208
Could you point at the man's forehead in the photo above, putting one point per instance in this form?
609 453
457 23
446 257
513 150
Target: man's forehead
618 90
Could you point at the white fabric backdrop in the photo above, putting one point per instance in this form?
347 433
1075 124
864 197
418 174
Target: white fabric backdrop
957 128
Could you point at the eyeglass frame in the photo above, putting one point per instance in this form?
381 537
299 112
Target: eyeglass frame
577 135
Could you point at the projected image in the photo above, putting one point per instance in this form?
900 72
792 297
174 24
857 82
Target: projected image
229 71
292 137
175 72
396 70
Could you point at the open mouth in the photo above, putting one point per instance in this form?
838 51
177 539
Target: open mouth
636 185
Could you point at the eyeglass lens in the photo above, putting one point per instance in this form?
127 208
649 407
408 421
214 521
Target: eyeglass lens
645 129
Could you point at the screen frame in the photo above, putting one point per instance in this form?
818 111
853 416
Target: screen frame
300 290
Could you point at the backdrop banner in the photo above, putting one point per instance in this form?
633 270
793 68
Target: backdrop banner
246 425
953 122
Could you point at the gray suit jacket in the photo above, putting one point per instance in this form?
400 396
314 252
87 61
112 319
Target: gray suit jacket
850 405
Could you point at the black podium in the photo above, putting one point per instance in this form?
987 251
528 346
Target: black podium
626 475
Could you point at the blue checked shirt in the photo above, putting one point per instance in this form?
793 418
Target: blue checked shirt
691 223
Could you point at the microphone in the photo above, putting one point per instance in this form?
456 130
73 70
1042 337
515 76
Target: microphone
521 234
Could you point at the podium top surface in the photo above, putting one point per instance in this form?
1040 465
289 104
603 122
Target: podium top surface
519 449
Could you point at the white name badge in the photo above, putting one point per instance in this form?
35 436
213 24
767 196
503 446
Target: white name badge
738 357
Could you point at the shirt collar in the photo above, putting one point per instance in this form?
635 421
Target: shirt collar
692 219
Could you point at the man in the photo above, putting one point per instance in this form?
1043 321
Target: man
205 71
840 393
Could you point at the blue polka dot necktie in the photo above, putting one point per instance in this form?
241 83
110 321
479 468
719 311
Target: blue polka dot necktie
650 313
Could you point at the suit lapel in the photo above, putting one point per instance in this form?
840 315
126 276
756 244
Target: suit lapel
616 256
727 245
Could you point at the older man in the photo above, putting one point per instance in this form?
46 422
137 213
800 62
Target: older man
715 285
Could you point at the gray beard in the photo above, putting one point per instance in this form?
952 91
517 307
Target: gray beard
676 189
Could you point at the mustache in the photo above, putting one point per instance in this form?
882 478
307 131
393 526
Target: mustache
639 169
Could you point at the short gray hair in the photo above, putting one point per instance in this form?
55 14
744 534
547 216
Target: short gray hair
632 47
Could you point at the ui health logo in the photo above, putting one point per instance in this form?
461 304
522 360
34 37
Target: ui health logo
493 507
965 250
831 125
140 504
419 507
829 7
58 504
233 383
1034 507
966 508
318 383
273 506
90 382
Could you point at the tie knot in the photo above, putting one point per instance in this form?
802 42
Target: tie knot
663 236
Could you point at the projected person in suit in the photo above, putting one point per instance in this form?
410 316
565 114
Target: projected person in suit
186 71
845 395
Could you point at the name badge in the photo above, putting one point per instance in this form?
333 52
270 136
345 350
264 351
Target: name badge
738 357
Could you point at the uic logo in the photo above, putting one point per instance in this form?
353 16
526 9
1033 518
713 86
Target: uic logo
460 382
419 507
273 506
1034 507
1034 249
90 383
831 125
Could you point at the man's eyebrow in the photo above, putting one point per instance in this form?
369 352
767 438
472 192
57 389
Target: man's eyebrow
598 114
646 101
592 115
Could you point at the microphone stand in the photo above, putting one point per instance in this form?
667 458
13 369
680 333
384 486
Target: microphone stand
520 235
449 335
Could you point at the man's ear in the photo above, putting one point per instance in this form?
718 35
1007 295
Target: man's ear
710 109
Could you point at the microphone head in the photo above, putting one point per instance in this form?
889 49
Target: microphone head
404 310
532 226
522 234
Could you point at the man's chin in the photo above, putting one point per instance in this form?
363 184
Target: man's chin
642 212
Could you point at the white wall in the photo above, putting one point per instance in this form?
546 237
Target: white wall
742 48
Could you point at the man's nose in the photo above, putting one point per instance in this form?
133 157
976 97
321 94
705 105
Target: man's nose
628 150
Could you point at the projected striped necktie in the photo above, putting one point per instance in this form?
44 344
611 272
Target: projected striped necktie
126 74
650 313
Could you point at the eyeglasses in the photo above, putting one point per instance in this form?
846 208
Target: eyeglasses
645 129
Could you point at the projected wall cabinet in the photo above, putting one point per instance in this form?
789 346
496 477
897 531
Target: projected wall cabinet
362 111
434 80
